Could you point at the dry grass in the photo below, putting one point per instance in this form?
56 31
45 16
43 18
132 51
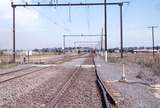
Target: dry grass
145 59
6 59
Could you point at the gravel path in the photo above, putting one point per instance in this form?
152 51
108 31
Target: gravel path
83 93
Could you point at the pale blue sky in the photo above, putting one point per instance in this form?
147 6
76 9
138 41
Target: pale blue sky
38 27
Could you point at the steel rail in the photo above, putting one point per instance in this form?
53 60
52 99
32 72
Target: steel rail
106 97
65 59
19 76
54 101
10 72
27 68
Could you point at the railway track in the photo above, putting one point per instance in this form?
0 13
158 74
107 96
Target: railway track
11 72
55 98
22 75
53 102
60 61
65 59
107 99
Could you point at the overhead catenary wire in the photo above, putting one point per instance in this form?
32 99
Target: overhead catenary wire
55 23
57 15
50 20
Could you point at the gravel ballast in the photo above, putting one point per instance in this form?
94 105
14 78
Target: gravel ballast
35 90
83 93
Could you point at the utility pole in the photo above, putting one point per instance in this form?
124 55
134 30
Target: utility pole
152 28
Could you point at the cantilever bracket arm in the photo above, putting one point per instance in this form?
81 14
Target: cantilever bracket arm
64 4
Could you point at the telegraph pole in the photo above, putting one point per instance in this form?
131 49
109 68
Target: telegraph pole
152 28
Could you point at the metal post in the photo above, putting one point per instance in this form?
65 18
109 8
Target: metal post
105 29
121 28
28 55
102 40
14 46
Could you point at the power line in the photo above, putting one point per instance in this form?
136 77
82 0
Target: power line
50 20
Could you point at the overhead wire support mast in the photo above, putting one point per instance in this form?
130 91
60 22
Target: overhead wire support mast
121 29
105 31
14 5
14 43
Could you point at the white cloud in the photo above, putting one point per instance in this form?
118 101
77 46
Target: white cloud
24 16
